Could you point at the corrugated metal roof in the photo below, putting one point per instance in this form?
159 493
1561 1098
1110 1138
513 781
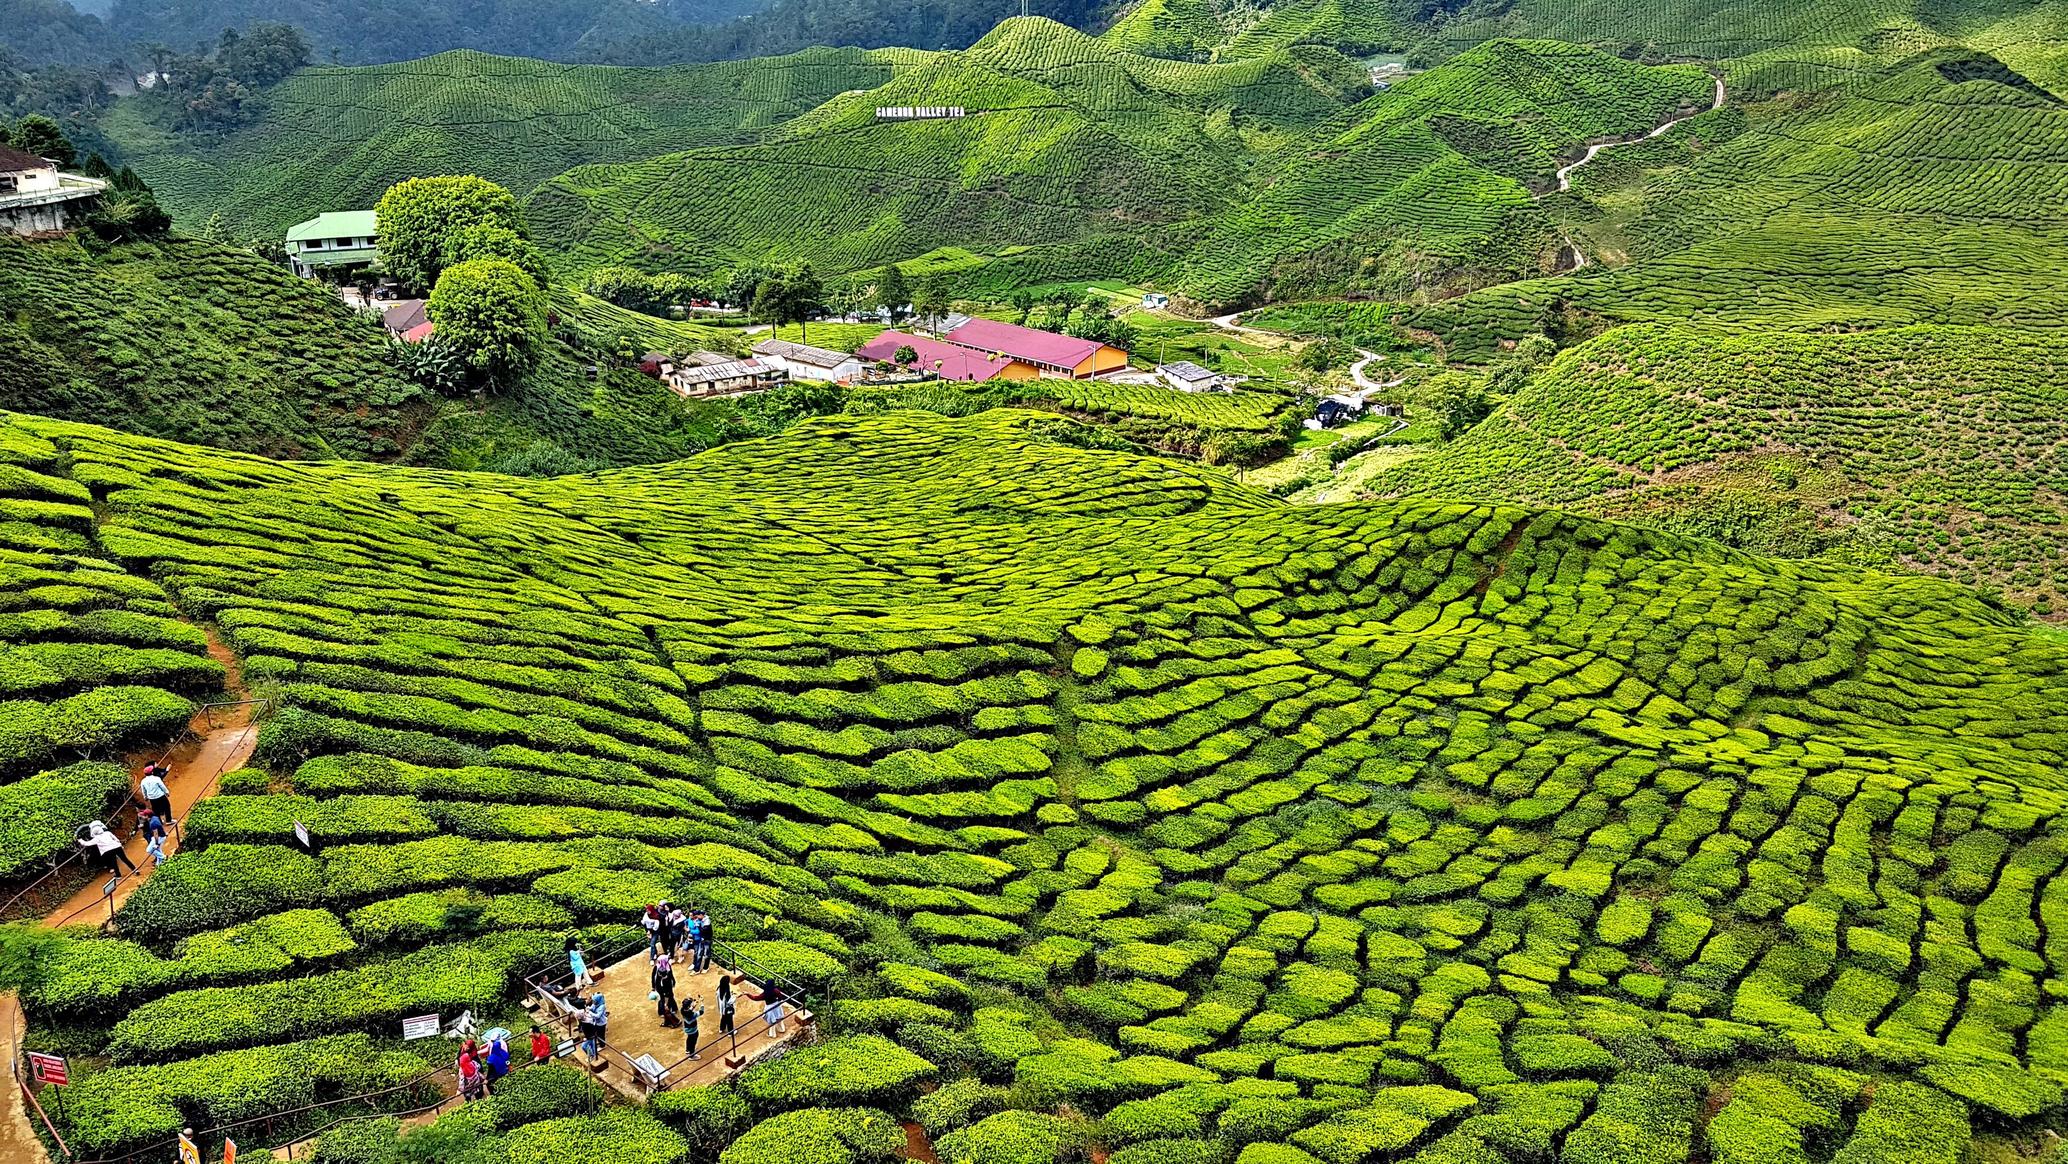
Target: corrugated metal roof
1024 343
783 349
948 361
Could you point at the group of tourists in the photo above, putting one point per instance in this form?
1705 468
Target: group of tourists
669 928
153 816
481 1068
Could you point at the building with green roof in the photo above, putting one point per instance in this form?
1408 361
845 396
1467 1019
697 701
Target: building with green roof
347 239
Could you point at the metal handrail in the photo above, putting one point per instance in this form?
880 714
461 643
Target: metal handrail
158 1149
130 802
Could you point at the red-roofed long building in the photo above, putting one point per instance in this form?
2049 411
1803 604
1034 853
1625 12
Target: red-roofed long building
1054 355
949 361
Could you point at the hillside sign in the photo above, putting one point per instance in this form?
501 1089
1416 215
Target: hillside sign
421 1027
49 1068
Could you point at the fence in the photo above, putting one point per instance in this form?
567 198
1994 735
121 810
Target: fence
31 894
549 988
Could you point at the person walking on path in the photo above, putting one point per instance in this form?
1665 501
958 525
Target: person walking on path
692 1026
156 794
541 1045
579 967
97 840
498 1060
149 823
155 848
664 990
725 1004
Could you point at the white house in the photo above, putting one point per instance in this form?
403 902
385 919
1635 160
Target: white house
803 362
1155 300
346 239
727 379
1187 376
36 199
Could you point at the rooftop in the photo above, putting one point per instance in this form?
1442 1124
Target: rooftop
12 159
949 361
784 349
1189 372
711 373
1024 343
335 224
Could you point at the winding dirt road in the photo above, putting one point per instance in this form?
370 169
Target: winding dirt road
1565 173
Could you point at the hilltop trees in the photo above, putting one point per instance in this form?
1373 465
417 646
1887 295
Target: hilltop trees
422 218
791 297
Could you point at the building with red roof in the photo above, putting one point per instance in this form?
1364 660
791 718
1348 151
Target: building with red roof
949 361
1052 354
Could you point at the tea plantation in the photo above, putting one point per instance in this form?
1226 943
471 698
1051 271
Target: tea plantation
1106 804
1942 447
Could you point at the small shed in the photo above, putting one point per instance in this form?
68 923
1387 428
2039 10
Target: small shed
1335 410
805 362
1155 300
1187 376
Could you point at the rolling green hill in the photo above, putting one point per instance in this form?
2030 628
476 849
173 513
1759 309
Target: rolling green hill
1929 195
1122 809
1940 449
1080 159
201 342
1069 143
335 138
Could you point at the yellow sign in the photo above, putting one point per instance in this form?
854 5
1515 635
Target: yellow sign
189 1154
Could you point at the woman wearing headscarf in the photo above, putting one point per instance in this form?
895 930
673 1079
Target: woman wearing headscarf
664 989
98 841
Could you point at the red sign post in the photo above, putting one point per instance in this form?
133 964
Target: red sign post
49 1068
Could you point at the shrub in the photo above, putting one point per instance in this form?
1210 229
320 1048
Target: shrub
709 1116
818 1135
616 1136
38 815
851 1070
1011 1137
367 1141
546 1091
956 1104
214 887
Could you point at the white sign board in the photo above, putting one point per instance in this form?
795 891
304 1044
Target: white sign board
301 833
421 1027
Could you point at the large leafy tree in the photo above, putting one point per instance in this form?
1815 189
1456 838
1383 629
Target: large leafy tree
791 297
494 313
892 292
488 240
420 218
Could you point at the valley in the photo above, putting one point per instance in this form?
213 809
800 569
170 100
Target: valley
1180 582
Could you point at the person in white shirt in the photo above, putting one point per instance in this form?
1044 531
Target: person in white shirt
155 791
97 840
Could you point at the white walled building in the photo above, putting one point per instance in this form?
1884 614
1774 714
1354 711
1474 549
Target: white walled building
803 362
36 199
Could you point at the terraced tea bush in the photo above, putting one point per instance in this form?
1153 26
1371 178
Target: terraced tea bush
1925 447
1135 810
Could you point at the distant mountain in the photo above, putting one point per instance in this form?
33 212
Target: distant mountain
377 31
789 25
52 32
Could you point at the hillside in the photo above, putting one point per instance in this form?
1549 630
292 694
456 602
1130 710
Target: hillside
191 340
1080 159
1927 195
1107 789
334 138
1068 143
1939 449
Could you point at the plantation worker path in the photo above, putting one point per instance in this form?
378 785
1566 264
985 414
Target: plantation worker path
1565 173
635 1028
219 739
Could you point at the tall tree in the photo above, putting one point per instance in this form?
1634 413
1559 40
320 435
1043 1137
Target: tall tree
418 218
41 136
494 313
790 297
892 294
